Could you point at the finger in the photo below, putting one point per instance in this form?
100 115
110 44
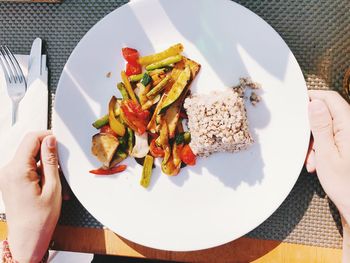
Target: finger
322 128
336 104
311 163
310 158
340 112
30 146
50 178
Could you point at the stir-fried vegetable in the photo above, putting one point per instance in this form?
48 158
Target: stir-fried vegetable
131 55
130 140
101 122
146 79
121 87
135 116
103 147
149 103
147 122
187 156
135 78
171 51
115 125
133 69
107 129
177 89
128 87
118 157
147 171
157 89
141 147
156 150
183 138
170 168
113 170
165 62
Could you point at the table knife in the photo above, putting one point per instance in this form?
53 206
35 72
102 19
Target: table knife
34 63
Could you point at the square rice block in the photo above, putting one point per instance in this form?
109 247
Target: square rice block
218 122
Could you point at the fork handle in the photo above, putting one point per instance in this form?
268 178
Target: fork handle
14 112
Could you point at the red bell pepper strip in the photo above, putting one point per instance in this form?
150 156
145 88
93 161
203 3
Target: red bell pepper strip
135 115
155 150
113 170
187 156
107 129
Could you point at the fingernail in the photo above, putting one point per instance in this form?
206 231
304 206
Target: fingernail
51 142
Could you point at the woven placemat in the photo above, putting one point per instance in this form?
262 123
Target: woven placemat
318 33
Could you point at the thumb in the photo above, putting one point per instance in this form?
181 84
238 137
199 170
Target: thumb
322 128
49 162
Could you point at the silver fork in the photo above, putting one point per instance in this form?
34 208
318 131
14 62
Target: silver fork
15 80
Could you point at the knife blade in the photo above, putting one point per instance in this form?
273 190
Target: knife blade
34 63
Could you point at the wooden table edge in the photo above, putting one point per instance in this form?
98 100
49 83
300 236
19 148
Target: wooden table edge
103 241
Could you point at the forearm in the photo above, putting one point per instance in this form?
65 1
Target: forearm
346 241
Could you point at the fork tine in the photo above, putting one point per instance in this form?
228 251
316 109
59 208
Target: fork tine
4 65
16 65
10 64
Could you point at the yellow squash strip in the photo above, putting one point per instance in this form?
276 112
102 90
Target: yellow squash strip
152 125
172 117
158 88
128 87
158 72
170 168
171 51
148 104
163 140
164 63
115 125
143 91
147 171
176 154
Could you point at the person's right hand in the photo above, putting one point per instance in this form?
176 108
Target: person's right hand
329 116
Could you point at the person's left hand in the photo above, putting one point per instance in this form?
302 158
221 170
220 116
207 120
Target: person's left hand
32 196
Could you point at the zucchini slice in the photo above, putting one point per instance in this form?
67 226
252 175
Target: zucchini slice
177 89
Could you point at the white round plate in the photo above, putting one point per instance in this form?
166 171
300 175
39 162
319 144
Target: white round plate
224 196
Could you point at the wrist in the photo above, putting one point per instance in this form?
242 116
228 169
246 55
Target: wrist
9 257
26 244
23 255
26 247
